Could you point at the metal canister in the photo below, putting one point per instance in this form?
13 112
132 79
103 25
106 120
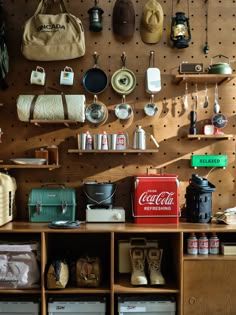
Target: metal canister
139 141
192 244
214 244
104 141
89 141
121 141
203 244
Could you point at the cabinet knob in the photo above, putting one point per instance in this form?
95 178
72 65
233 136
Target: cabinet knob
192 300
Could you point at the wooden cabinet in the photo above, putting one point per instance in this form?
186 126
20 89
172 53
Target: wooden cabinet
200 284
209 286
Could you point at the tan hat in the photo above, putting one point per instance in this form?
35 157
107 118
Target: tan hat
152 22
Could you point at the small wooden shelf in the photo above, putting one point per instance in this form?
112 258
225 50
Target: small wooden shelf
13 166
209 257
220 136
204 78
124 152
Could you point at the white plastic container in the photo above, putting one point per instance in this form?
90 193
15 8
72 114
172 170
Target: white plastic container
19 307
77 307
162 307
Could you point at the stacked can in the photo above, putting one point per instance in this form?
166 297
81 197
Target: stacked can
203 246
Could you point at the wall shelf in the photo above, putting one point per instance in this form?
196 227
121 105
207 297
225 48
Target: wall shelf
204 78
13 166
64 122
124 152
217 137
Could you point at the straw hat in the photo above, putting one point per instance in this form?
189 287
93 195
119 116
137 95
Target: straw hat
152 22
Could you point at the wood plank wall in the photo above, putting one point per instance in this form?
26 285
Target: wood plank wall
170 126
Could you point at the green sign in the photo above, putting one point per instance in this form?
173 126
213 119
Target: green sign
209 160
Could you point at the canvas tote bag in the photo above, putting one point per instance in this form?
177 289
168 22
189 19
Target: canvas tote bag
48 37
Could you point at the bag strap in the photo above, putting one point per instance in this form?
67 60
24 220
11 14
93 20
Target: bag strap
64 104
42 7
32 107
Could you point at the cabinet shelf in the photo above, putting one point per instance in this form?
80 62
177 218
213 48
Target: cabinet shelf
13 166
219 136
204 78
124 152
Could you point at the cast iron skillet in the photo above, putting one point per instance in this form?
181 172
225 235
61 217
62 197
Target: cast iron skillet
95 80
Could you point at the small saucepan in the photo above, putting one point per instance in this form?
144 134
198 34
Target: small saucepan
95 79
123 110
96 112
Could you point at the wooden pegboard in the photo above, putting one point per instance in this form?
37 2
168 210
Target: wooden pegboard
170 126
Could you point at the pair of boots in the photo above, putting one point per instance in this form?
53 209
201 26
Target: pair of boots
153 256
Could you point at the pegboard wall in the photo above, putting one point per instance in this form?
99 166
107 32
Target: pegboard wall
170 126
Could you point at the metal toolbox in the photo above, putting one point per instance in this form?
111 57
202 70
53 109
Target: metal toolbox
48 203
19 307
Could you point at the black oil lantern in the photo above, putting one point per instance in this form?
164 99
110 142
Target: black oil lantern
95 18
180 30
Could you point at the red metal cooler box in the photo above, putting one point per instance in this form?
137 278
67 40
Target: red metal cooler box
156 199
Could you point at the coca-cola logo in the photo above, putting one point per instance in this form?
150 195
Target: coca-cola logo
151 198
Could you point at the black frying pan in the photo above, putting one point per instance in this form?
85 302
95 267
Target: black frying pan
95 80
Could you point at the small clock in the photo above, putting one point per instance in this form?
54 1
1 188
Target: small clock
209 130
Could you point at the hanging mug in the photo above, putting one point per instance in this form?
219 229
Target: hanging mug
38 76
67 76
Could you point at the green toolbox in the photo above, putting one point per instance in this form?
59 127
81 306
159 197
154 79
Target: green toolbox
49 203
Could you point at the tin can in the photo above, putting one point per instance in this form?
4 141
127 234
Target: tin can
89 141
82 141
98 141
214 244
104 141
139 141
203 244
120 141
113 138
192 244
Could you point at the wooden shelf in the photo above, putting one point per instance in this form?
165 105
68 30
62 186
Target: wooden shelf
13 166
204 78
199 137
124 152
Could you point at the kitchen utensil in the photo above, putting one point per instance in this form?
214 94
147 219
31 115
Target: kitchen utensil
206 101
216 107
123 110
96 112
29 161
123 81
185 97
95 80
220 67
153 76
139 140
151 108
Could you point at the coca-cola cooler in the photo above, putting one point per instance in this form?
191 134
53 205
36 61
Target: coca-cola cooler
156 199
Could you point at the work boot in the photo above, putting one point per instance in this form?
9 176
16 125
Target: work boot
154 257
138 276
